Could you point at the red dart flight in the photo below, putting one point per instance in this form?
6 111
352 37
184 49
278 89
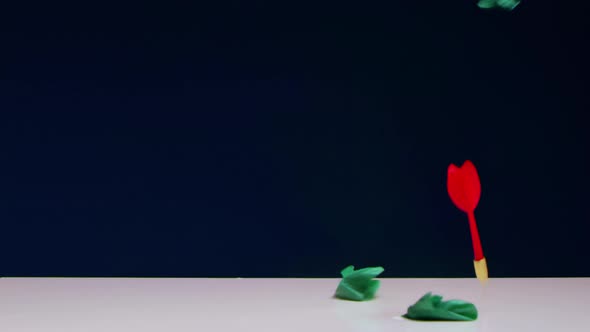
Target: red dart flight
465 190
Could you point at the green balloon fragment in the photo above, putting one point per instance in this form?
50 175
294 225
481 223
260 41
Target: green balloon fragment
494 4
433 308
358 285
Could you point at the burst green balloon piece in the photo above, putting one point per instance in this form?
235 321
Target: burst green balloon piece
433 308
358 285
503 4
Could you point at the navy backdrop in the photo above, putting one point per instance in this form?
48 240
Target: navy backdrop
278 138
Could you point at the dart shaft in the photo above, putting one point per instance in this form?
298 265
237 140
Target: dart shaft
477 251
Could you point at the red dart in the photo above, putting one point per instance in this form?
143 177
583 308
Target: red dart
465 190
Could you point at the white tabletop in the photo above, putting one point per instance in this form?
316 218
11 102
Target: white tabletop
277 305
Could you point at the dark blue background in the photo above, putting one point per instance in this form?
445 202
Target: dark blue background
280 138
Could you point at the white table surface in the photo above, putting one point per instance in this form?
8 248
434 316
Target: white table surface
276 305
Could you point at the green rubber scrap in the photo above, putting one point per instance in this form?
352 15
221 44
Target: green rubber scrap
433 308
358 285
503 4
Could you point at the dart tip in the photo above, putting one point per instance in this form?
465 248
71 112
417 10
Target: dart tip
481 271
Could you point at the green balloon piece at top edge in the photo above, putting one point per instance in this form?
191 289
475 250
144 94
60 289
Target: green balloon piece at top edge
358 285
433 308
503 4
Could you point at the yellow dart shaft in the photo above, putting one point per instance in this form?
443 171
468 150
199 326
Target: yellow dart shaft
481 270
